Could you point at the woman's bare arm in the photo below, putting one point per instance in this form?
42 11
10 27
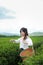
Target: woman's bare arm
13 40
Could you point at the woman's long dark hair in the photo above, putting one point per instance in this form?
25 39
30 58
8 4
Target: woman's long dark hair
25 31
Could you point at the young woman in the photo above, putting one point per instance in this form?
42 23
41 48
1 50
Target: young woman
25 41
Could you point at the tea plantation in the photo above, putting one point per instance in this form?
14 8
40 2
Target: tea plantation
9 52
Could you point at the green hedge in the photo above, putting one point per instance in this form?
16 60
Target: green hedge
35 60
9 54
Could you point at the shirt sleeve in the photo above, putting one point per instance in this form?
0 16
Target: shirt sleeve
29 41
17 41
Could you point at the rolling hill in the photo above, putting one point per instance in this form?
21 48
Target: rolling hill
36 34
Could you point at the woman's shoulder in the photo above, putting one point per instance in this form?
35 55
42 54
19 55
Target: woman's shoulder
28 38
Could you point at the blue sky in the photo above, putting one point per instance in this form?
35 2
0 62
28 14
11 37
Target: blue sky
4 12
15 14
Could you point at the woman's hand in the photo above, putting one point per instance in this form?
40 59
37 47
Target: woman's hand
12 40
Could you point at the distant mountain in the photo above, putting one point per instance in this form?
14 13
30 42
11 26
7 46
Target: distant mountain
15 34
9 34
36 34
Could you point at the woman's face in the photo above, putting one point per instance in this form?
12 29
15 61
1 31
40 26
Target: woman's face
22 33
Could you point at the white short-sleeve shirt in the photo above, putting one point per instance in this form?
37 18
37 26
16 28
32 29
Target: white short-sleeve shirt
24 43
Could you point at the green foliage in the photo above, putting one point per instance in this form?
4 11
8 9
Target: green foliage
35 60
9 52
3 61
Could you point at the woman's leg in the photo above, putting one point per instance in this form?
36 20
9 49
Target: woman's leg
20 50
